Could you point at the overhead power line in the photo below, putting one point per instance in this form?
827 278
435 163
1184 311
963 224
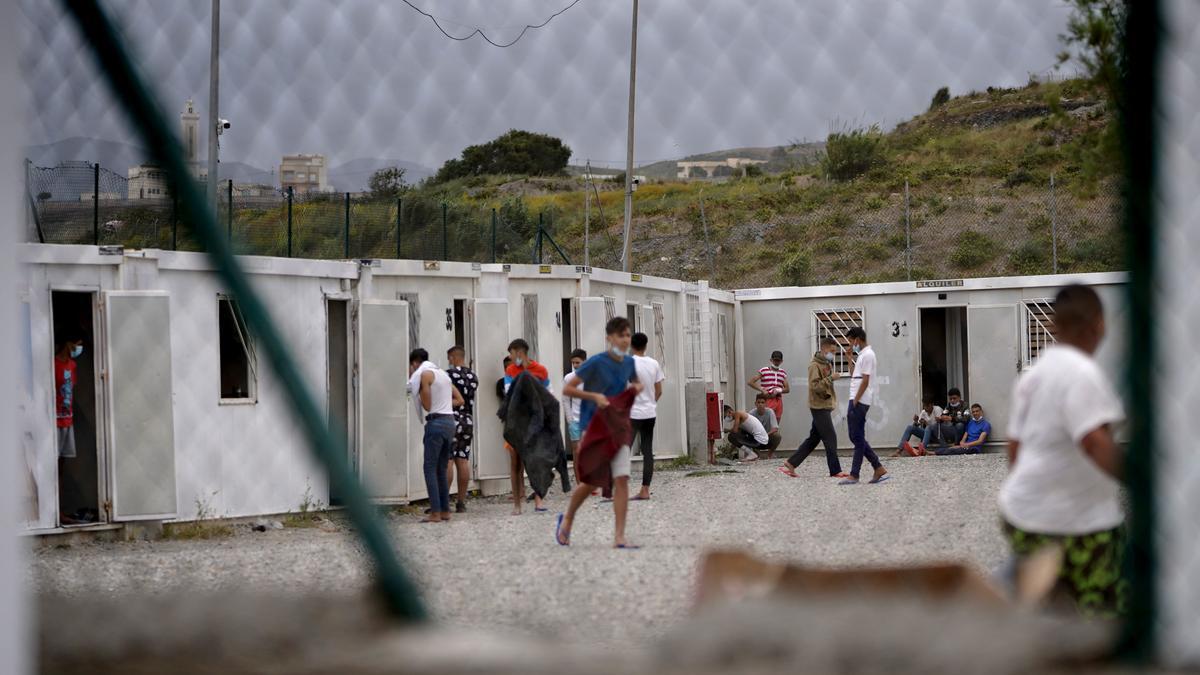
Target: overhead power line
479 31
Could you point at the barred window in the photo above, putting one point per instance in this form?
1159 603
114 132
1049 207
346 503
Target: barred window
610 308
414 318
835 323
722 349
1040 331
660 336
529 322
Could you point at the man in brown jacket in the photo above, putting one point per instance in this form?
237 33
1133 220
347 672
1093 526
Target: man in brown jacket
821 402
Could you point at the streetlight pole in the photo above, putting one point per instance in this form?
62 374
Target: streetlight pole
213 120
625 254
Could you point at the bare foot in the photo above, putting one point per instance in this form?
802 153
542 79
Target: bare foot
432 518
517 510
644 493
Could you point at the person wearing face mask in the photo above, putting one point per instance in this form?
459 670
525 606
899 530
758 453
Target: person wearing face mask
977 431
953 420
862 397
1063 484
772 380
600 382
69 349
821 402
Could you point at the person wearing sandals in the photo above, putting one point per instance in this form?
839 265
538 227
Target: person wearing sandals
435 398
645 408
862 396
821 402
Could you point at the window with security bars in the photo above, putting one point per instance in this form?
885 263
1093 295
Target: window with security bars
693 339
660 336
414 318
1040 331
835 323
238 362
529 322
610 308
722 349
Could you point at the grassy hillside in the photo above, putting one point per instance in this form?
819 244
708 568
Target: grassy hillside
978 170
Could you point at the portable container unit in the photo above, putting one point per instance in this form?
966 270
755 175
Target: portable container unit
973 334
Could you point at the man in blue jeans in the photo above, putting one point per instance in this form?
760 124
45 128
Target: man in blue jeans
862 395
976 434
435 399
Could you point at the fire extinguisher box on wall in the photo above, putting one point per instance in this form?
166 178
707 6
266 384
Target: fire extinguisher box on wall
713 408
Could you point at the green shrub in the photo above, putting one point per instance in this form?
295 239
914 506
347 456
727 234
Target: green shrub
873 202
875 251
898 241
1032 257
940 98
993 209
972 250
937 205
836 221
1020 176
1039 224
796 269
850 153
752 171
829 246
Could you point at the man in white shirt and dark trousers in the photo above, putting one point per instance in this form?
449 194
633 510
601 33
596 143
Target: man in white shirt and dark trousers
645 407
862 396
1064 465
435 398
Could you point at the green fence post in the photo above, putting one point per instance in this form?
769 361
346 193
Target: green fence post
96 204
346 230
445 237
399 220
493 235
229 206
290 196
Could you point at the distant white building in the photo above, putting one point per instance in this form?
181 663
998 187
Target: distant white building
714 168
304 174
149 180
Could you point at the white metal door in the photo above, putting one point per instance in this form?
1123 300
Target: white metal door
993 360
592 314
383 404
490 335
141 420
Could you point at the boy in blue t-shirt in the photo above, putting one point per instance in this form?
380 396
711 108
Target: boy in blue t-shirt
603 376
976 434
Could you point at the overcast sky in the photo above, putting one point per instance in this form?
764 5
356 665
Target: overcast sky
373 78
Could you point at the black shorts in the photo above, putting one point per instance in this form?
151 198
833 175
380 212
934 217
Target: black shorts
464 431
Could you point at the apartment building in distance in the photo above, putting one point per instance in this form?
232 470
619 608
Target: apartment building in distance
304 174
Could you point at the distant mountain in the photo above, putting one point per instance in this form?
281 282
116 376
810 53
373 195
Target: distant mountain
355 175
112 155
778 158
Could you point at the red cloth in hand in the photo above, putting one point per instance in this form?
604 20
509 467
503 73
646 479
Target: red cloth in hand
606 433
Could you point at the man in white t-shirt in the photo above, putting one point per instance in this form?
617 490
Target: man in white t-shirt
435 398
862 397
746 433
645 407
1062 487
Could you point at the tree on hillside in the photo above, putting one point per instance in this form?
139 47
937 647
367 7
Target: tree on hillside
850 153
1094 33
516 152
941 97
388 183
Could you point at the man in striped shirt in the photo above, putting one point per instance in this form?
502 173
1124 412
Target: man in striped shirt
772 381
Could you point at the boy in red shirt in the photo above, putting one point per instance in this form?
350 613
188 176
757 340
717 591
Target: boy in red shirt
518 351
64 394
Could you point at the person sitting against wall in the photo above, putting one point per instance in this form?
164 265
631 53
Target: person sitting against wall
977 431
746 433
924 425
952 423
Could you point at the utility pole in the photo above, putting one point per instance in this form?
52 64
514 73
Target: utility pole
213 120
587 213
627 247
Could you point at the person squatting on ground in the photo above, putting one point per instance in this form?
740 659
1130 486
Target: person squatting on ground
600 378
467 383
518 353
821 402
1064 464
435 399
862 396
976 434
772 380
746 433
924 426
953 421
571 410
645 408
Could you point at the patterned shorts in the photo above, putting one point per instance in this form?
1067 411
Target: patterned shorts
1091 571
464 431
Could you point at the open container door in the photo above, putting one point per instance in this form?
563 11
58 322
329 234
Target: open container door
591 316
993 360
489 336
383 406
141 419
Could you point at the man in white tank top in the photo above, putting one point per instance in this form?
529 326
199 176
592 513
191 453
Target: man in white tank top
435 398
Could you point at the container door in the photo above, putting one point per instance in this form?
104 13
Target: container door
384 406
141 420
489 336
592 314
993 360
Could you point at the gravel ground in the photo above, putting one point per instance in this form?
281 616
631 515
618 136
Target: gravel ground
488 569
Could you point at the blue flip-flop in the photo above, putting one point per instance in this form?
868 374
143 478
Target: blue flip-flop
541 510
848 481
886 476
558 533
628 546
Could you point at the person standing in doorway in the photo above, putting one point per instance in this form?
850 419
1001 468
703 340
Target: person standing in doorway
69 349
603 376
822 400
645 407
467 383
1063 486
862 396
571 408
435 398
518 352
772 380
